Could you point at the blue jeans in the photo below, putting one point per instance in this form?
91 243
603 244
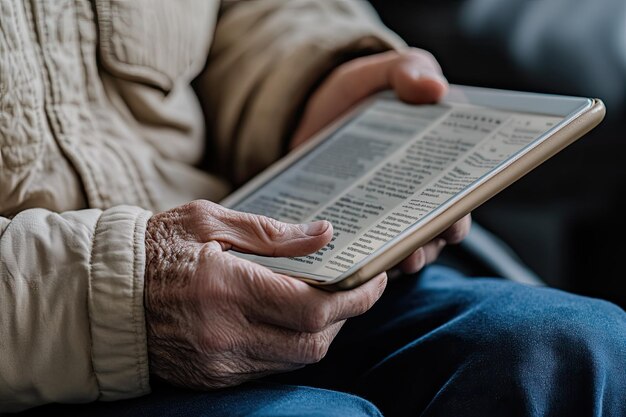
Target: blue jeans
437 344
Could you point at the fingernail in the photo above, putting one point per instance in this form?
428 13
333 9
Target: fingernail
420 72
434 75
315 228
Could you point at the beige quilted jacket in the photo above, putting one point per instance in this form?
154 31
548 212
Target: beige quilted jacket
99 125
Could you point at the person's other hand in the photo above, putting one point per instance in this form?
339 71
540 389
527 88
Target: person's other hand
416 78
413 74
215 320
429 252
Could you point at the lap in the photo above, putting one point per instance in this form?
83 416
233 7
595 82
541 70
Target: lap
466 346
438 344
255 399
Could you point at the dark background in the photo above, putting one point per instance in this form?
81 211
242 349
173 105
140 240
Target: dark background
564 219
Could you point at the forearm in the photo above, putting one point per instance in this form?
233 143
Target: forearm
71 319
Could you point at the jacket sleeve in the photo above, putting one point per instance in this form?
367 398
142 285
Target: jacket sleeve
266 58
71 307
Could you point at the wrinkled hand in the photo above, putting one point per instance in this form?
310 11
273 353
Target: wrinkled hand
215 320
416 77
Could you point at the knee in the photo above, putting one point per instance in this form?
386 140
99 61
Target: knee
527 351
553 336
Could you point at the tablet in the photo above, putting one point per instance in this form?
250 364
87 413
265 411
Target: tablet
391 176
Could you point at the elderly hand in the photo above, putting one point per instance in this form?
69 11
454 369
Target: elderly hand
416 77
215 320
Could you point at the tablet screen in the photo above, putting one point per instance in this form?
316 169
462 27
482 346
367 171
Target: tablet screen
385 170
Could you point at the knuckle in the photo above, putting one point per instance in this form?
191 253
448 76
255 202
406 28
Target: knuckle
467 224
200 213
420 55
370 297
433 253
382 285
367 301
459 231
455 233
420 256
313 347
272 229
198 207
315 319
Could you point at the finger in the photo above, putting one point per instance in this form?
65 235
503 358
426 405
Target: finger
417 78
458 231
287 302
425 255
362 77
261 235
269 343
414 262
433 250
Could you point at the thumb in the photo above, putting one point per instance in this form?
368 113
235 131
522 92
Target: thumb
260 235
416 78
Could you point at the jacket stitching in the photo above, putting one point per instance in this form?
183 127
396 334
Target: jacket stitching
112 61
145 197
89 298
63 121
139 341
75 156
38 125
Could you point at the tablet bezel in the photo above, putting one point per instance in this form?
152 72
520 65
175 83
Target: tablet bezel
572 109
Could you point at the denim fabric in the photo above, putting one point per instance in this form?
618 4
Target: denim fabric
438 344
